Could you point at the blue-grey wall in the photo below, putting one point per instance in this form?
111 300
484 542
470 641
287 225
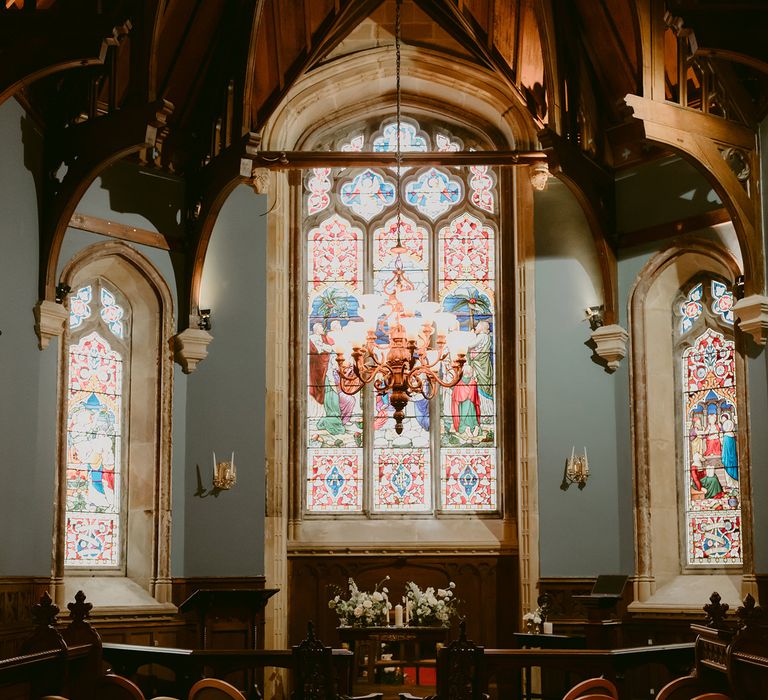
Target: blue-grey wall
27 376
576 402
225 397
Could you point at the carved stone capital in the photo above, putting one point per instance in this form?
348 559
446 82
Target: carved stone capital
539 174
610 344
752 312
190 347
50 318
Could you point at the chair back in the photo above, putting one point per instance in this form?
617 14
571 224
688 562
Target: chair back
712 696
313 676
592 686
680 689
460 669
214 689
113 687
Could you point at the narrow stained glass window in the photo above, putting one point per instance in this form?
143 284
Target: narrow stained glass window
711 502
446 457
94 418
95 415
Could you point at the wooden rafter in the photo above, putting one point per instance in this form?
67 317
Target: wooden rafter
37 44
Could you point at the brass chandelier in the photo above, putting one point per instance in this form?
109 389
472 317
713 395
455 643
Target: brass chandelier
409 362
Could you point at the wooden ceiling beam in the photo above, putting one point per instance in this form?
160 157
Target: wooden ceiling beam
347 15
42 43
289 160
109 139
450 16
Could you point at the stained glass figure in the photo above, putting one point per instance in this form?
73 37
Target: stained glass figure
711 469
403 480
468 479
319 186
80 306
433 193
334 480
691 308
481 183
367 194
111 312
94 419
722 301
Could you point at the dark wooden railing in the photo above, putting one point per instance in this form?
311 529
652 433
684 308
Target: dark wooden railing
190 665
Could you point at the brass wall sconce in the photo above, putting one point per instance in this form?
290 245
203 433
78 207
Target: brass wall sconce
576 470
224 478
595 316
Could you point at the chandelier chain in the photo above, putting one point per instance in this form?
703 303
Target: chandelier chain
398 152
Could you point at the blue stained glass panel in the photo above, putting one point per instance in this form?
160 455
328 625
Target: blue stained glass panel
367 194
433 193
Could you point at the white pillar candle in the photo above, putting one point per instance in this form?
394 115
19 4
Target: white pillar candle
398 615
547 628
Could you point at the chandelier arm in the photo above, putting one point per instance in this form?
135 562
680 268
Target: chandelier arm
456 371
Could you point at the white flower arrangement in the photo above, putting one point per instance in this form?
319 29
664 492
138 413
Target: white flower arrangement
430 607
362 609
533 618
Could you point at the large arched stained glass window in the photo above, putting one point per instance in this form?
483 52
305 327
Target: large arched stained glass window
712 503
445 459
98 353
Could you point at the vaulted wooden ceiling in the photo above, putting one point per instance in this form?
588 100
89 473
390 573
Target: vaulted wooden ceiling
186 85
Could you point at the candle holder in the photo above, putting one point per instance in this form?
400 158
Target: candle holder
224 478
576 470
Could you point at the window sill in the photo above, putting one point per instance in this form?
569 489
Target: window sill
114 595
689 593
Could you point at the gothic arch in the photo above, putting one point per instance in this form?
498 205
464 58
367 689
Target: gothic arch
658 575
148 447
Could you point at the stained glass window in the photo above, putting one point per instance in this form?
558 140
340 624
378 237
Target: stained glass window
446 457
94 425
709 406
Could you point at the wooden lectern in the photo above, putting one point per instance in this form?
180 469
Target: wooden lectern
602 615
209 602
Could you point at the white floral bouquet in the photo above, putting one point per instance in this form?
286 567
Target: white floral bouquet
533 619
362 609
430 607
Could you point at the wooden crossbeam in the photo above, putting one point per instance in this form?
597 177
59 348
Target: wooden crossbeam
124 232
289 160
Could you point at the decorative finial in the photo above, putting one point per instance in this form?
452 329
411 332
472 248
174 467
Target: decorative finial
45 611
79 611
749 614
715 611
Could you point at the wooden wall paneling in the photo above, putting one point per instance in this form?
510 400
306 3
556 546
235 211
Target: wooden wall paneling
319 12
290 19
17 596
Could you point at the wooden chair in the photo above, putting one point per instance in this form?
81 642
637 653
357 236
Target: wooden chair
214 689
596 696
712 696
592 687
683 688
113 687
